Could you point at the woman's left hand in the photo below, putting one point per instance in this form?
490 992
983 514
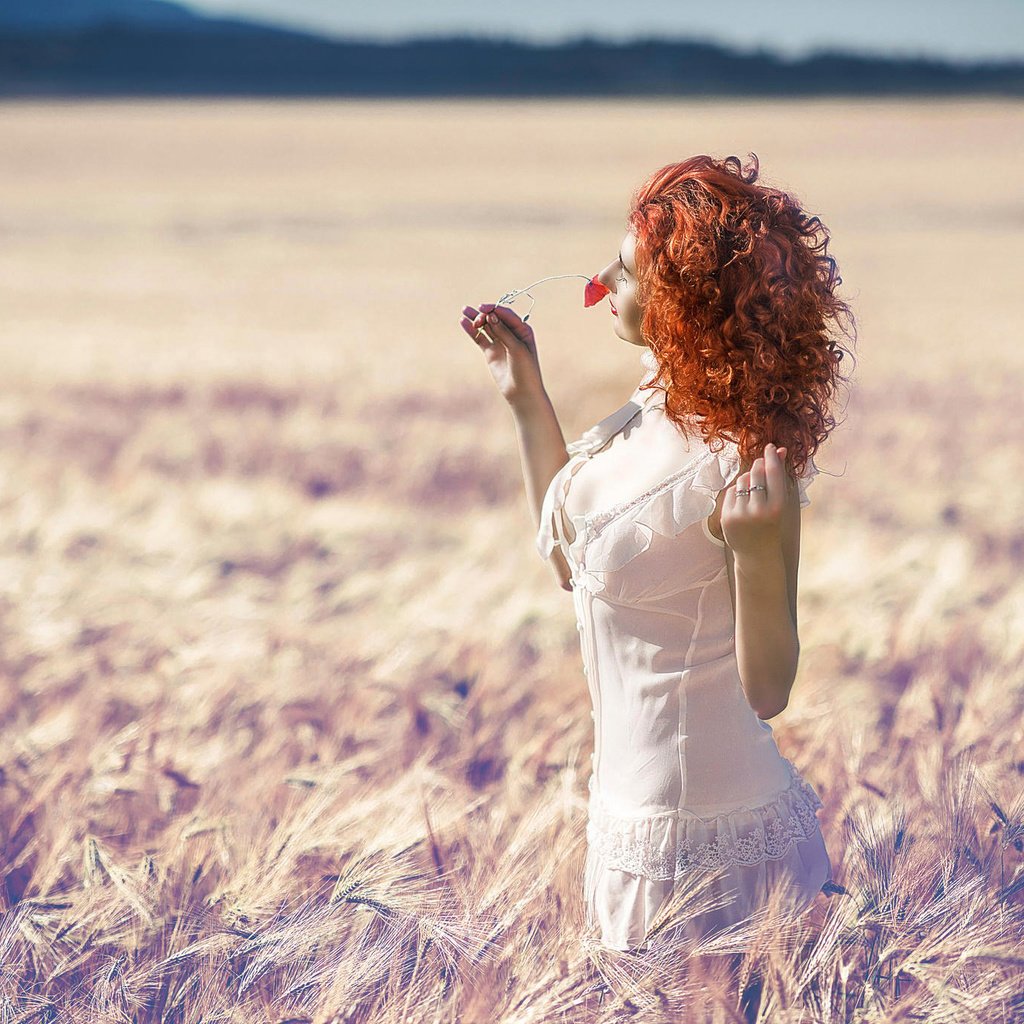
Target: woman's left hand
752 523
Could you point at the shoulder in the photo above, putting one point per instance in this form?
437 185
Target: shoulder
730 465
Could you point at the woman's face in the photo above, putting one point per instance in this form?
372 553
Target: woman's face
620 278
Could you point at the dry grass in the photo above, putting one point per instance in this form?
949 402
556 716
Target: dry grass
293 721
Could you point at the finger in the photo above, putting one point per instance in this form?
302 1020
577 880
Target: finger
478 333
774 470
742 484
468 326
479 315
757 479
730 505
472 315
479 328
500 330
510 320
504 315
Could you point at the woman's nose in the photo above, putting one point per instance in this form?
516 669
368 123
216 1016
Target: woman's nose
607 277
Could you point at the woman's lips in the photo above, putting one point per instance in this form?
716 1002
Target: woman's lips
615 312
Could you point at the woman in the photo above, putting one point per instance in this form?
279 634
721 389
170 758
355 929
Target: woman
675 522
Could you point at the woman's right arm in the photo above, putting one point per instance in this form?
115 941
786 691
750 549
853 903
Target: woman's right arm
510 350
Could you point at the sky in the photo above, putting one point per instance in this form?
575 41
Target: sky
960 30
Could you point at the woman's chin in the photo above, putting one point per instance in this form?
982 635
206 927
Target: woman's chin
623 336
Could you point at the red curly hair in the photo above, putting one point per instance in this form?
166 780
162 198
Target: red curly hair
738 295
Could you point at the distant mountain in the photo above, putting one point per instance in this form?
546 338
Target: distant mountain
48 15
153 48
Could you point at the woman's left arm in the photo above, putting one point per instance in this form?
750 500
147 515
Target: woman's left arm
762 537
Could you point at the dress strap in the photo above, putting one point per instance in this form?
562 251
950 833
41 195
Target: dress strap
594 439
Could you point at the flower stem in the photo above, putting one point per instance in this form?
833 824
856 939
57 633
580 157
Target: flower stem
509 296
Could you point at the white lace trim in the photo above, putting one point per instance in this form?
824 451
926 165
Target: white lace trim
617 535
669 845
598 520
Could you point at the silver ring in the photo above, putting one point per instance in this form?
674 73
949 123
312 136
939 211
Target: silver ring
739 492
758 487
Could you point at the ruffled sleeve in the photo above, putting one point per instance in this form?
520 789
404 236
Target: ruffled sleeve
688 496
621 534
726 465
804 481
545 541
675 507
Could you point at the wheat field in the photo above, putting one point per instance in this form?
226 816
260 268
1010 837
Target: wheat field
293 720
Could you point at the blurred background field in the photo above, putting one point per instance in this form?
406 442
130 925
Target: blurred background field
271 610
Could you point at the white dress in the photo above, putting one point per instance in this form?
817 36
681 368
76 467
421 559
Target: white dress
684 773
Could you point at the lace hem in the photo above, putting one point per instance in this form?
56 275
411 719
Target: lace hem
669 845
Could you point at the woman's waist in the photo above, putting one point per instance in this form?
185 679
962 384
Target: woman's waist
700 769
621 805
670 651
708 696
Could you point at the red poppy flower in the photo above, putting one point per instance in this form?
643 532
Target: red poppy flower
594 292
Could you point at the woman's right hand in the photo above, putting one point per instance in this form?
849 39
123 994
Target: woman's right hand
509 349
